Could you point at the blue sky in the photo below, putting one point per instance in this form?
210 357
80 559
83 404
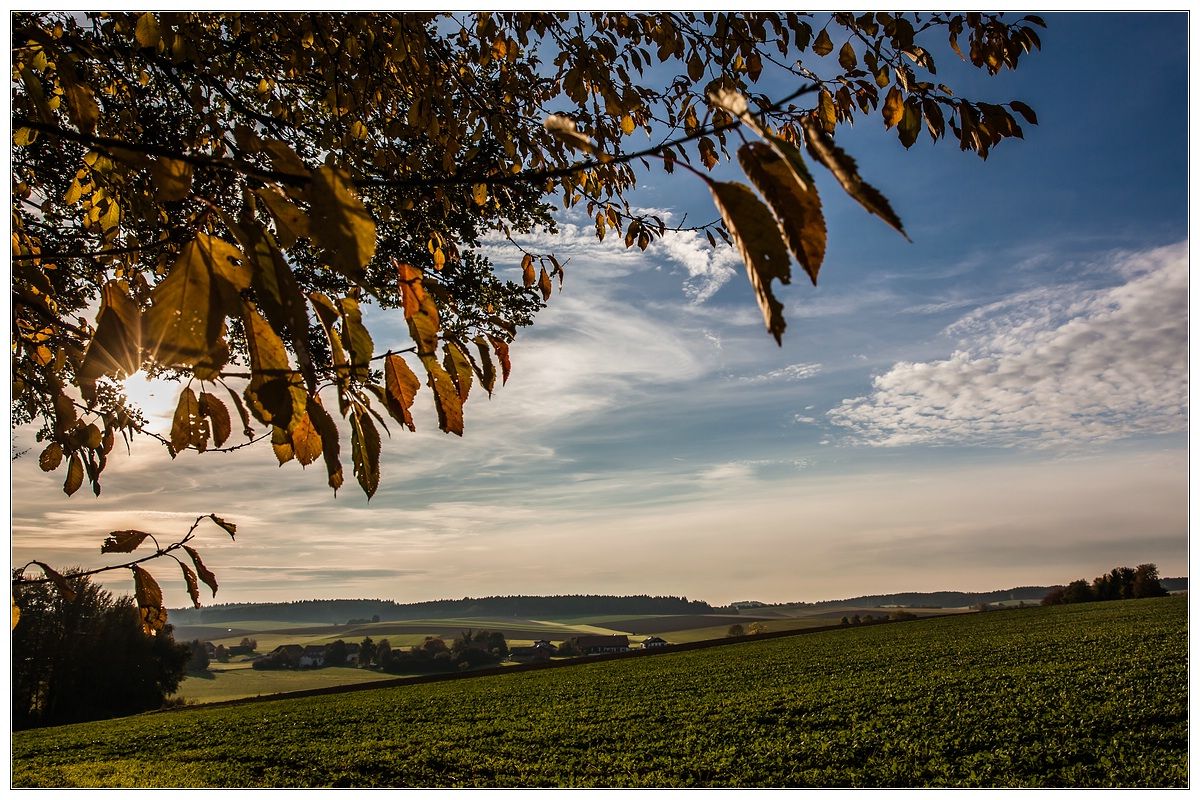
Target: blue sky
1002 402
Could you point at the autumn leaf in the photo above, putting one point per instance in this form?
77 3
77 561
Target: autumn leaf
306 440
445 396
893 107
149 600
172 179
188 308
123 541
823 45
51 457
60 583
458 366
330 442
563 129
290 222
401 385
356 337
218 413
281 443
528 276
412 292
486 370
228 527
193 586
341 225
185 427
147 32
757 237
788 189
115 349
365 447
74 475
210 580
843 167
501 348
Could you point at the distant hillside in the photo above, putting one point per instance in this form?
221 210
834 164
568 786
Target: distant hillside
341 611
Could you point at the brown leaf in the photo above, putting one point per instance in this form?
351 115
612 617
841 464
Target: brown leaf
458 365
822 148
330 443
501 347
823 46
893 107
215 410
757 237
789 190
486 370
528 276
826 111
60 583
150 601
545 285
563 129
210 580
229 527
51 457
193 586
412 291
356 337
123 541
185 424
116 347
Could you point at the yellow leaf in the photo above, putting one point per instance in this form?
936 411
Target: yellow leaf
480 194
282 445
150 601
341 225
356 337
893 107
188 308
445 396
147 32
306 440
459 368
826 111
788 189
290 222
16 612
627 125
412 292
763 250
74 475
172 179
51 457
115 349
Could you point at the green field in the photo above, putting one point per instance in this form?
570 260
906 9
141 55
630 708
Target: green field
1084 695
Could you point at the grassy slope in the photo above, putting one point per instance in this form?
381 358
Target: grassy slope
1088 695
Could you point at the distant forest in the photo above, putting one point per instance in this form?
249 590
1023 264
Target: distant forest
342 611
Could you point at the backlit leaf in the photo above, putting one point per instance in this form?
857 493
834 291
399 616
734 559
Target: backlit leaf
823 45
290 221
172 179
228 527
910 125
149 600
893 107
458 365
330 443
412 292
356 337
756 236
306 440
822 148
528 275
365 446
60 583
74 475
115 349
501 347
123 541
210 580
193 586
218 413
147 33
487 370
401 386
341 225
826 111
563 129
846 57
281 443
445 396
188 308
789 190
185 423
51 457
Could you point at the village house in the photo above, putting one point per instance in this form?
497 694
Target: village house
593 645
653 641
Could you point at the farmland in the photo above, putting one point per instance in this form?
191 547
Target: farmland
1084 695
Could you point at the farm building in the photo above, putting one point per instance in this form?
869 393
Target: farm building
591 645
653 641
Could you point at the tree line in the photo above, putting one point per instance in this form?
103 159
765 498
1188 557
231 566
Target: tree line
468 650
1121 583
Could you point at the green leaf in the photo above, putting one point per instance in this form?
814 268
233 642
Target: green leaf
789 190
341 225
822 148
756 236
365 446
123 541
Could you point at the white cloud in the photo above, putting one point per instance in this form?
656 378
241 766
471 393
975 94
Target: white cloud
793 372
1052 366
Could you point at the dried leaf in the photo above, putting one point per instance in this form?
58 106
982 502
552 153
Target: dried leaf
74 475
51 457
330 443
229 527
893 107
210 580
150 601
823 46
563 129
789 190
60 583
412 291
306 440
185 428
501 347
216 411
822 148
123 541
193 586
486 370
762 248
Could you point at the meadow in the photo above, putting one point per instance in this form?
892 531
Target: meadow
1081 695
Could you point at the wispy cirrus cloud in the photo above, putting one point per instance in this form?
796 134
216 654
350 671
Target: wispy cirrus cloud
1048 367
